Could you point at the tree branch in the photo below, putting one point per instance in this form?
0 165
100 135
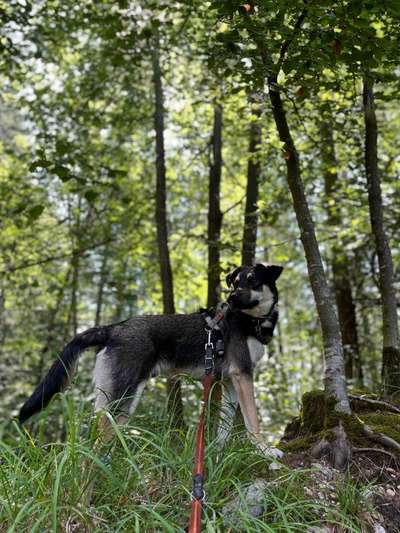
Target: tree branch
79 251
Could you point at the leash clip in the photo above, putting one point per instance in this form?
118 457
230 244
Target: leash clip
209 353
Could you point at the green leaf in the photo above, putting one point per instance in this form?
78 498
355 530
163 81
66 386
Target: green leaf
62 172
62 147
40 163
91 195
35 212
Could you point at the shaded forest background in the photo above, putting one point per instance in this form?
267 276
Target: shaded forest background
85 87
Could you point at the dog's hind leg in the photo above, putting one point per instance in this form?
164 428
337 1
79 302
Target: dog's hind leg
227 414
118 398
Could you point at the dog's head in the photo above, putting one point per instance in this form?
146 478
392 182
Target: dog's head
253 289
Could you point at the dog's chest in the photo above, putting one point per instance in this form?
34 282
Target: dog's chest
256 349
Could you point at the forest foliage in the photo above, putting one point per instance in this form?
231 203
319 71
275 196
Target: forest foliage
79 243
249 97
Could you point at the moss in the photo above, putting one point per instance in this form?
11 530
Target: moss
312 412
386 423
292 429
298 444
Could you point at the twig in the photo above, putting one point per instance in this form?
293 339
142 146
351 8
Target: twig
55 257
233 205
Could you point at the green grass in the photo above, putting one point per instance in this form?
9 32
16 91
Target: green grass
139 483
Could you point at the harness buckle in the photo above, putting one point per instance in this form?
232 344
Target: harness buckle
209 358
198 492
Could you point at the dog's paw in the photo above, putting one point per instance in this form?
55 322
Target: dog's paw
269 451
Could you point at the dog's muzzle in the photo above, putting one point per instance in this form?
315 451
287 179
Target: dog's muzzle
241 299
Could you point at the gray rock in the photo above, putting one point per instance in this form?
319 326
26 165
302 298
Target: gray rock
252 501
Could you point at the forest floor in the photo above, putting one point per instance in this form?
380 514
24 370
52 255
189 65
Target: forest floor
369 491
141 482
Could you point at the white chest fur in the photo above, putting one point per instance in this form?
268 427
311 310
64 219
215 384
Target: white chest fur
256 349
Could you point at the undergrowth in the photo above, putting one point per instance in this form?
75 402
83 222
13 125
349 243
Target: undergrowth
141 482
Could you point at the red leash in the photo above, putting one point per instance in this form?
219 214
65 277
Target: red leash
198 471
198 493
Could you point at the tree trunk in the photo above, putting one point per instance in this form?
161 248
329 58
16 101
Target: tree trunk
249 241
391 346
340 263
3 322
74 294
52 340
175 405
214 212
161 193
100 287
335 381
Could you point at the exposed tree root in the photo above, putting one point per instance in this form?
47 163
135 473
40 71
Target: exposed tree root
334 436
378 450
381 439
338 451
376 403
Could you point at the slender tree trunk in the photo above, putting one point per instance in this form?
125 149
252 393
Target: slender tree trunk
175 404
340 263
335 381
161 193
3 323
249 241
214 211
120 288
52 336
75 265
391 345
100 287
74 294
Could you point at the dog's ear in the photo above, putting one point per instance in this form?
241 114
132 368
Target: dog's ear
230 277
268 273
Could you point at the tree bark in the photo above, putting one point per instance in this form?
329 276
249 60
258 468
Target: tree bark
214 212
391 345
161 193
175 405
74 294
3 322
340 263
100 287
249 241
335 382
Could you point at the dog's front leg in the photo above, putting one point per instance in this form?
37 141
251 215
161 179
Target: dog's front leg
227 414
244 387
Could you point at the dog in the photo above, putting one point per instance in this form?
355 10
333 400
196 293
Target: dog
132 351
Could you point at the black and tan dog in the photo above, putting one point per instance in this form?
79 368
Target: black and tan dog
132 351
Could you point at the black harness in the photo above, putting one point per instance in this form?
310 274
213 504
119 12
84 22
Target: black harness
261 328
214 346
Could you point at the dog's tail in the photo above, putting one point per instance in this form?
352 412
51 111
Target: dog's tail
57 378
